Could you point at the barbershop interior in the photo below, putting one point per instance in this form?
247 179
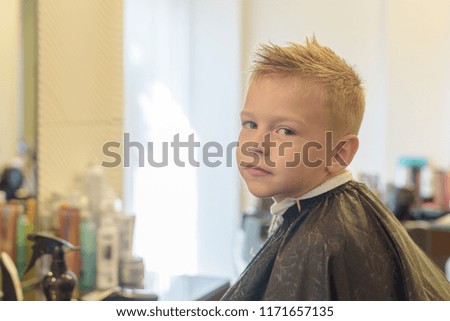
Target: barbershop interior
96 94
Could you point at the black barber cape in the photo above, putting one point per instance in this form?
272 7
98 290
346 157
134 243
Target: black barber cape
342 245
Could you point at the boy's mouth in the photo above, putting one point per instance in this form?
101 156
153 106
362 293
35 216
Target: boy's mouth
256 171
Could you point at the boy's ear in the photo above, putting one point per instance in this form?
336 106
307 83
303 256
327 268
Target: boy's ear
342 153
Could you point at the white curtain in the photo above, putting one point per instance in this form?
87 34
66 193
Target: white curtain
157 99
179 57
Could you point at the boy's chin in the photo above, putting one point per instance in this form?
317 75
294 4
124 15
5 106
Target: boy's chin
259 193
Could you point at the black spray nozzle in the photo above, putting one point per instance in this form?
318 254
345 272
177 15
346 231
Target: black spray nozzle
45 244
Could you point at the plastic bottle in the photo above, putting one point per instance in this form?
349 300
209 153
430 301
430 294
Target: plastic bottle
59 283
88 234
2 209
95 190
23 228
107 257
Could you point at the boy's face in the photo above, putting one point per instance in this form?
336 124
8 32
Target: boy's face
282 126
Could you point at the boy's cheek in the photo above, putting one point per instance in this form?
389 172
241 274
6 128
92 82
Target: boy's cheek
240 157
287 154
245 157
313 158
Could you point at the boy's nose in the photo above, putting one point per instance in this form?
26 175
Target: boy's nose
262 143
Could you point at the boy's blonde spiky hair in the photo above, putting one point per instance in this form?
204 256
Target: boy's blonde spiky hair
343 95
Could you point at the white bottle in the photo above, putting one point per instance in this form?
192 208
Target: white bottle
95 189
107 259
126 232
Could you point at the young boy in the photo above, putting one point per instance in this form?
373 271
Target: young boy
332 239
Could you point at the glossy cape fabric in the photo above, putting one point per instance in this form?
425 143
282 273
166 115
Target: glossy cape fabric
342 245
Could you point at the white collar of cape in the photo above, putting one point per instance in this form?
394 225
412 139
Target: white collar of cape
278 209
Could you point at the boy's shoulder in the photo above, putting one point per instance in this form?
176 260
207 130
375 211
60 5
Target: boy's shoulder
339 219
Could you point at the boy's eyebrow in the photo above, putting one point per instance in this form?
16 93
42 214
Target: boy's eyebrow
277 118
244 113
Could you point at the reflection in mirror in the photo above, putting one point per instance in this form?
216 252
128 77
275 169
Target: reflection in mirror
18 99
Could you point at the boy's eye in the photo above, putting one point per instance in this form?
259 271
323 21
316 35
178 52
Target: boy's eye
285 131
249 125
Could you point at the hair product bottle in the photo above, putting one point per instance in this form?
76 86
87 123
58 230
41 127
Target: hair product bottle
59 283
88 234
107 254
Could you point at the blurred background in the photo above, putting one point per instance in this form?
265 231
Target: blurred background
75 75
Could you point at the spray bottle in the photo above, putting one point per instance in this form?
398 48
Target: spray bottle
59 283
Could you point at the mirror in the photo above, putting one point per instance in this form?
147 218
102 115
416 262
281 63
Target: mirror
18 103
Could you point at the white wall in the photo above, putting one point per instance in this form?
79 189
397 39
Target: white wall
10 78
401 50
418 51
